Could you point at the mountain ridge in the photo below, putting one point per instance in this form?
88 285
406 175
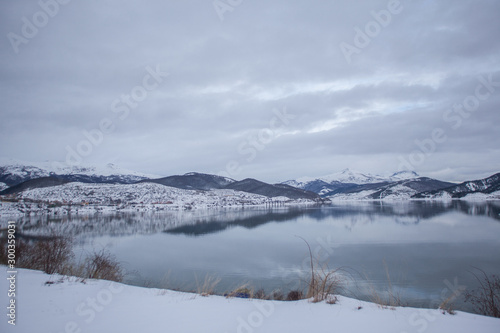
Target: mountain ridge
485 186
344 185
14 172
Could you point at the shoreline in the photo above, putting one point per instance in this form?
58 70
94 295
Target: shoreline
58 303
28 207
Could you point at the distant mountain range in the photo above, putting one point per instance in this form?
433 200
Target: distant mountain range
346 181
346 185
13 172
19 177
351 185
479 189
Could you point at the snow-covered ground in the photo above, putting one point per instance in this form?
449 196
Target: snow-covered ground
482 196
401 192
68 305
3 186
91 198
443 195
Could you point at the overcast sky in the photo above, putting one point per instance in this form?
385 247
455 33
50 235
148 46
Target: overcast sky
272 90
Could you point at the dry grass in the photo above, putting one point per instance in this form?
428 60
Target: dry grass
242 291
447 305
392 299
208 286
326 282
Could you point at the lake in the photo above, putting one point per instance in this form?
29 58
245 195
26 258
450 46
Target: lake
418 252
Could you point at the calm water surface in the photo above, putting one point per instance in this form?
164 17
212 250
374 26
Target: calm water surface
419 252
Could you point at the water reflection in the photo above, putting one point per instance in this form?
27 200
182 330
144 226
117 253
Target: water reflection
418 248
202 222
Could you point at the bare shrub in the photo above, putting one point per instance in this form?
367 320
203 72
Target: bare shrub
261 294
295 295
277 295
486 299
103 265
51 256
331 299
55 255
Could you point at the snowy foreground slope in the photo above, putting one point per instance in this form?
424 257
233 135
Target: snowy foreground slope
67 305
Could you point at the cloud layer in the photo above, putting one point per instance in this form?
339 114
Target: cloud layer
268 91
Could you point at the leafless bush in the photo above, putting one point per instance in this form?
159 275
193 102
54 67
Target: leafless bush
51 256
295 295
103 265
277 295
261 294
55 255
486 299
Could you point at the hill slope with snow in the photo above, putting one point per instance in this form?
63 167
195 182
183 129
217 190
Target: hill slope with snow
483 189
399 190
89 198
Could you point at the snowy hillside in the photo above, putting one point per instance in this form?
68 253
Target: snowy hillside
66 304
399 190
81 197
483 189
13 172
147 193
3 186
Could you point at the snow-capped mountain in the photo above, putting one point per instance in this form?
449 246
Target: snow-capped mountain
13 172
398 190
487 188
346 179
348 176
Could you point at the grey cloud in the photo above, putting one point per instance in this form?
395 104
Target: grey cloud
227 77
